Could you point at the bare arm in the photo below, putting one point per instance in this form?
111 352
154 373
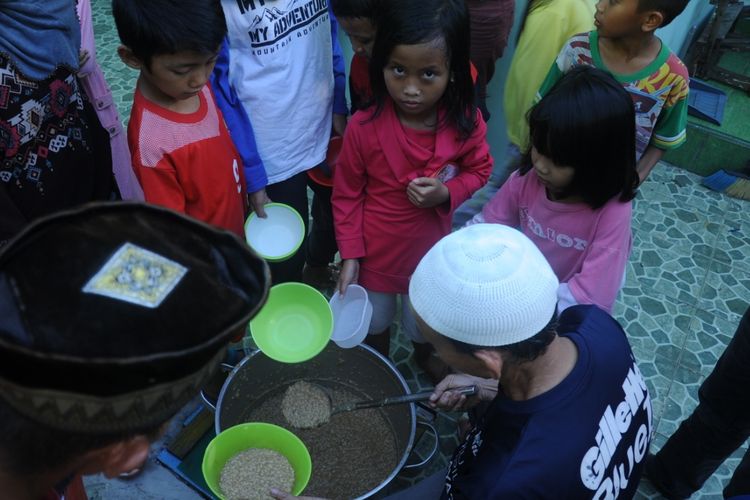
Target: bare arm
646 164
257 202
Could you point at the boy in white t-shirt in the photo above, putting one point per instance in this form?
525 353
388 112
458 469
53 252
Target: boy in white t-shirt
281 67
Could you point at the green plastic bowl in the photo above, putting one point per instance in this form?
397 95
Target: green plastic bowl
295 324
278 236
256 435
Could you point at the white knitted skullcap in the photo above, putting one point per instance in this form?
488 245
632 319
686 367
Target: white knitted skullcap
485 285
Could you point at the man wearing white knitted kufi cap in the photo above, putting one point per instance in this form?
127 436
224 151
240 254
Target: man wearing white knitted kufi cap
486 285
569 414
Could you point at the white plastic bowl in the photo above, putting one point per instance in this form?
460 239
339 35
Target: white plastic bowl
278 236
351 316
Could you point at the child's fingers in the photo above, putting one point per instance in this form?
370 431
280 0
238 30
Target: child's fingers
417 202
423 181
418 192
423 189
414 196
258 201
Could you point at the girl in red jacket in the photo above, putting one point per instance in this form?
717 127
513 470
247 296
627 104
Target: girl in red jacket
410 159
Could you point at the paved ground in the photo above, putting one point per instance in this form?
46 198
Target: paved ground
688 282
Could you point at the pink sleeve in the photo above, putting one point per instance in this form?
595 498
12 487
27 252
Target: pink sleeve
603 271
83 8
92 79
503 208
349 181
474 169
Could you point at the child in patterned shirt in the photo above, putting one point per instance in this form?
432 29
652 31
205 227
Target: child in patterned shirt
625 44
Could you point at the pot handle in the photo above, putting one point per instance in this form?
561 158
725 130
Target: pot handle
432 430
224 367
208 404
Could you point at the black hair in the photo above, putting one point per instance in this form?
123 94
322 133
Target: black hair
669 8
28 448
153 27
354 8
412 22
587 122
520 352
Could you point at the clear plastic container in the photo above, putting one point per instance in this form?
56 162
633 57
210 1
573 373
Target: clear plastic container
352 314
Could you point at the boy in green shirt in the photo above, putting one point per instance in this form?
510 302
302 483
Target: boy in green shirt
625 44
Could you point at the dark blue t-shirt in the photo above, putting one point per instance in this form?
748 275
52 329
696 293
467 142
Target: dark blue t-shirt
585 438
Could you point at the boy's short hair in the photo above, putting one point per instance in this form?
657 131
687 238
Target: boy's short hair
669 8
152 27
354 8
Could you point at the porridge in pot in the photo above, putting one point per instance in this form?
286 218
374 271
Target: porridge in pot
351 454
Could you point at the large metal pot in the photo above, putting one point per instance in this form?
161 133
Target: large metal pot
360 370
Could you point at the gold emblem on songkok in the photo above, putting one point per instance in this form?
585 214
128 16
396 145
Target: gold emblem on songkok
136 275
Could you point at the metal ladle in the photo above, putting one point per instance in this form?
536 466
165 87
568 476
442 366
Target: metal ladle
396 400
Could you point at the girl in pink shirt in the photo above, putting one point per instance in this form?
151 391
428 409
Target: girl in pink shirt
573 196
410 159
